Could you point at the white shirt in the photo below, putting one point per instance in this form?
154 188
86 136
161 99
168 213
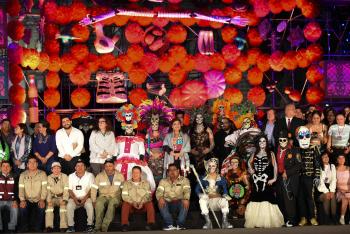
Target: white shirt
329 176
65 143
340 135
81 186
101 142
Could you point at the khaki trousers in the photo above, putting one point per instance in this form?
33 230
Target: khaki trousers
71 206
55 202
104 219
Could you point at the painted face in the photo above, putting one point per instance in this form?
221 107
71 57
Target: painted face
234 164
246 123
128 116
221 110
262 143
129 129
212 167
304 137
155 122
283 142
199 119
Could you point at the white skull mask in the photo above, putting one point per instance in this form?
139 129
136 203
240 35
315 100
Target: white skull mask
283 142
199 119
128 116
304 137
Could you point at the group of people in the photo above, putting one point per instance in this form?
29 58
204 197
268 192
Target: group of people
278 170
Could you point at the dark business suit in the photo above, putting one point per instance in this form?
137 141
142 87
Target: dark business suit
281 125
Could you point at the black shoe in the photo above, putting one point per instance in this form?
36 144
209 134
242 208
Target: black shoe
125 228
70 230
90 229
48 229
63 229
149 227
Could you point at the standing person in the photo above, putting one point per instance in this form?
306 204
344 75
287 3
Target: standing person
329 117
136 195
9 195
180 115
177 146
327 186
57 196
80 183
7 131
70 143
319 136
299 113
288 123
108 184
262 210
269 126
338 139
32 195
227 128
102 145
173 195
44 147
343 187
21 148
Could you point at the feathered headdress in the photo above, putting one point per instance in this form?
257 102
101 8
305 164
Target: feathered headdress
218 105
128 115
155 107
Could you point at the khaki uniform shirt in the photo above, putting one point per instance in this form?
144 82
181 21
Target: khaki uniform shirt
57 188
179 190
105 188
136 192
32 187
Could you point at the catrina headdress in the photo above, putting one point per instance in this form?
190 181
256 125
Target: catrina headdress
128 115
203 110
155 109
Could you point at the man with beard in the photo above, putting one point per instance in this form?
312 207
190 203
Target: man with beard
220 150
70 143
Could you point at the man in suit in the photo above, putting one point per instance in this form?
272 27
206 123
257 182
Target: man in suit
288 123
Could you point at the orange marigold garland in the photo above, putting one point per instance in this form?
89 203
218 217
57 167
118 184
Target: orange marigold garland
124 62
188 63
254 37
177 75
137 75
134 33
17 94
253 55
15 73
52 80
232 76
108 61
92 63
136 96
228 34
81 32
166 63
289 61
233 95
217 62
276 60
15 30
52 98
80 52
80 75
68 63
255 76
230 53
135 52
263 62
44 62
177 34
242 63
55 63
150 62
257 96
31 58
54 119
80 97
202 62
177 53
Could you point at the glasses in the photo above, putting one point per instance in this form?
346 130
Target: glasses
303 135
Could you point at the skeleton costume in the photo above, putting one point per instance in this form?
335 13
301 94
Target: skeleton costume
262 210
130 148
309 176
216 195
157 116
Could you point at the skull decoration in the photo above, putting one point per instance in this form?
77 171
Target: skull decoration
283 142
155 122
212 165
128 116
199 119
304 137
246 123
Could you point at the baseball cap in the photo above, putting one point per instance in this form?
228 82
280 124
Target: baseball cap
55 164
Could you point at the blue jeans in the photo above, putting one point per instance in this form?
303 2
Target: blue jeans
13 215
33 215
171 207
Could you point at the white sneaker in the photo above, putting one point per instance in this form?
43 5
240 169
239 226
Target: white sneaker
180 228
342 220
289 224
169 228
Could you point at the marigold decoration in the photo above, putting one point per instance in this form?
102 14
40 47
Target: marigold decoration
51 30
15 30
242 63
275 6
80 52
135 52
310 9
118 20
177 75
80 32
124 63
288 5
177 53
52 80
294 95
78 10
52 98
228 34
314 95
54 120
31 58
108 61
68 63
55 63
312 31
233 95
17 94
252 55
263 62
289 61
143 21
261 8
257 96
254 37
166 63
217 62
314 52
136 96
176 34
188 63
230 53
15 53
188 22
314 74
80 75
232 76
202 62
194 94
276 60
137 75
15 73
134 33
216 12
50 9
255 76
175 98
44 62
17 115
79 114
13 8
52 47
150 62
301 57
63 15
92 63
80 97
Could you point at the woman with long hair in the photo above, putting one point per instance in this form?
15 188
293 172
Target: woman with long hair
318 130
21 148
343 187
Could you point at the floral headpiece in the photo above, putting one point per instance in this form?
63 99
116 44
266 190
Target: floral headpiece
220 106
128 115
203 110
155 107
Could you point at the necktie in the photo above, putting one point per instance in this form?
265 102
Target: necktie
288 124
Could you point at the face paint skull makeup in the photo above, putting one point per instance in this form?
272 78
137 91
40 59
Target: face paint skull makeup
155 122
128 116
262 143
199 119
212 165
304 137
246 123
283 142
129 130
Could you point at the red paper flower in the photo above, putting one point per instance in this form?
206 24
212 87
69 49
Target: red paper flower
136 96
78 10
314 74
194 94
51 30
135 52
312 31
80 75
52 80
301 57
315 95
15 73
50 9
15 30
150 62
52 98
232 76
175 98
80 32
80 52
108 61
255 76
310 9
15 53
52 47
176 34
17 115
13 7
314 52
188 63
228 34
134 33
17 94
124 62
80 97
230 53
202 62
68 63
137 75
257 96
261 8
177 75
63 15
216 12
254 37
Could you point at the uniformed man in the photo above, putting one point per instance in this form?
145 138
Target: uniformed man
108 184
57 195
32 195
137 197
173 194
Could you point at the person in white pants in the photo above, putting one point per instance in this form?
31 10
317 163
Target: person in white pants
215 196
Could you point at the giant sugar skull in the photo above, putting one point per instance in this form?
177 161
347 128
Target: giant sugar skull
304 137
128 116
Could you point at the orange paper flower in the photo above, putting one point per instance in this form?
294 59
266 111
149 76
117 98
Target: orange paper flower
137 75
80 97
135 52
232 76
177 34
136 96
177 75
17 94
80 75
257 96
52 98
52 80
233 96
54 120
255 76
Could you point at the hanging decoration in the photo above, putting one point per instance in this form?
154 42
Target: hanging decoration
110 87
102 43
215 83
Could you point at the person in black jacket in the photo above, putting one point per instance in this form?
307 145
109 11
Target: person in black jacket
220 150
